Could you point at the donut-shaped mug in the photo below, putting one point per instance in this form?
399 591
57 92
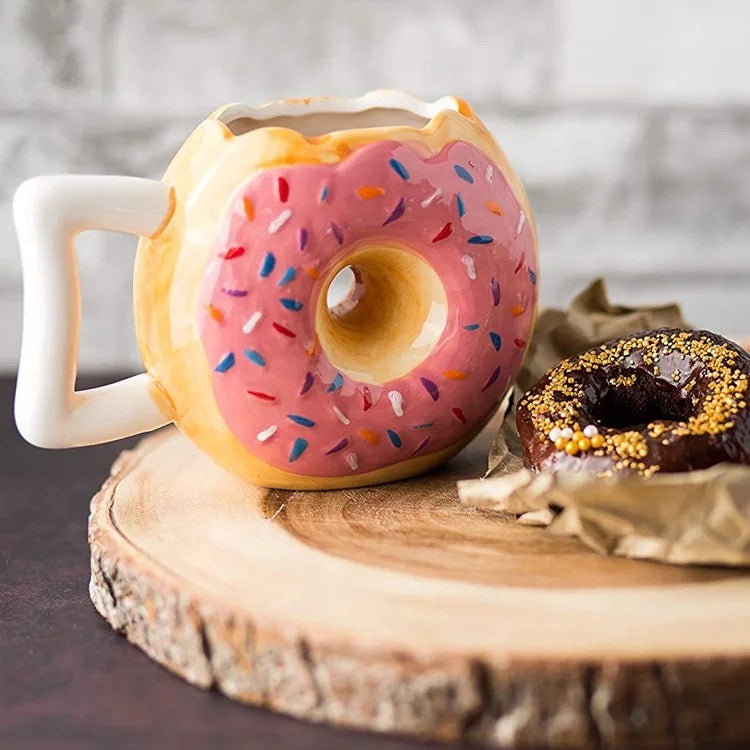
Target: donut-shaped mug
260 210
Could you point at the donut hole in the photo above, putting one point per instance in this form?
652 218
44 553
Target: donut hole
643 400
381 312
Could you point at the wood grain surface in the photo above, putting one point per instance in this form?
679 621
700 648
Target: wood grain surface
396 609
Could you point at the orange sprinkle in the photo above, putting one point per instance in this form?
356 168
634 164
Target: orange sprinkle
313 273
454 374
517 310
313 348
217 315
249 208
365 192
368 435
492 206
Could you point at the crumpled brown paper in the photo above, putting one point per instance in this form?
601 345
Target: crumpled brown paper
699 517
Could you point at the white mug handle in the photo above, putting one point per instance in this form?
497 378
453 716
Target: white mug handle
49 212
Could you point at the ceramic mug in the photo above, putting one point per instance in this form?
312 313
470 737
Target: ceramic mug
259 211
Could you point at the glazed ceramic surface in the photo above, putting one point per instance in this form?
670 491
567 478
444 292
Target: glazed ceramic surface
260 211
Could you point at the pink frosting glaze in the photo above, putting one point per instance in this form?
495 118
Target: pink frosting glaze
287 228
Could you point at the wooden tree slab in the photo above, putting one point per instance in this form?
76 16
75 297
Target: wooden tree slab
394 608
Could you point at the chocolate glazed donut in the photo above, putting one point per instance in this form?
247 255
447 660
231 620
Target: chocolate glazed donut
666 400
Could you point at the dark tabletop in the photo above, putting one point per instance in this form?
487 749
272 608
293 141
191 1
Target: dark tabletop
66 678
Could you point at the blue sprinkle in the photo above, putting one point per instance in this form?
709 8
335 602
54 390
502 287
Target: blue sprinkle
304 421
288 276
460 205
291 304
463 173
302 238
324 193
399 169
255 357
225 363
472 326
299 447
532 276
496 340
338 381
423 426
394 438
480 239
269 262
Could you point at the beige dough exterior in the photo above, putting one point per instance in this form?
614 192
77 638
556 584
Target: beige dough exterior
205 174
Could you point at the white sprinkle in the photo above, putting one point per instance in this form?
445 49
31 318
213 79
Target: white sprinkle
430 198
252 321
521 222
566 433
352 460
554 433
468 261
341 416
590 430
489 174
269 432
277 511
279 221
211 267
397 402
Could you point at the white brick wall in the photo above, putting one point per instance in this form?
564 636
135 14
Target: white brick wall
629 122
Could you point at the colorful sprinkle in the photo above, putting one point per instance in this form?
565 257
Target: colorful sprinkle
454 374
431 198
367 192
460 205
397 402
471 327
532 276
463 173
431 388
368 435
423 426
458 414
338 381
489 173
283 188
480 239
492 207
471 270
283 329
340 415
495 288
215 313
267 266
517 310
298 448
323 193
302 238
399 169
338 447
249 208
519 265
233 252
337 233
395 438
262 396
521 222
366 398
291 304
496 340
309 380
289 275
313 273
300 420
520 343
444 232
312 347
269 432
225 363
252 322
492 378
397 212
234 292
353 461
422 445
279 221
255 357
